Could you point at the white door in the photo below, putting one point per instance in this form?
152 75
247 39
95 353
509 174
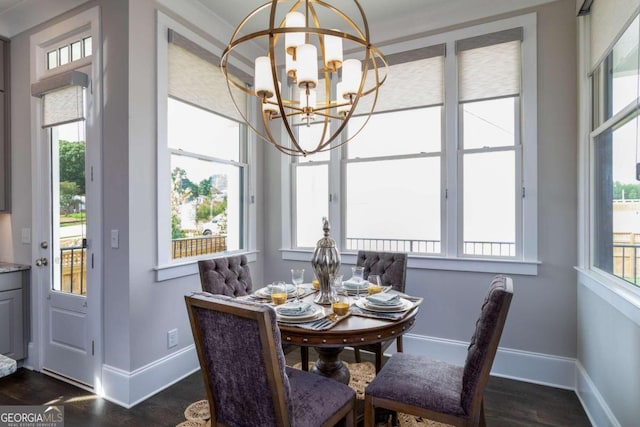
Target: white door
65 263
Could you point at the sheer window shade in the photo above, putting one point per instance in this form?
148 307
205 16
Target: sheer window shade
415 79
489 66
62 97
607 20
195 79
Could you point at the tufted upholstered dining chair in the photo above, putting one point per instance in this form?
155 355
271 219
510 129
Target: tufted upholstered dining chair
440 391
392 269
231 276
238 345
226 276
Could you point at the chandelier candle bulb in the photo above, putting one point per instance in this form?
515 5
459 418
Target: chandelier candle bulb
293 40
332 52
307 61
351 74
263 79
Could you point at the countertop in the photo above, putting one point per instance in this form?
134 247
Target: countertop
7 267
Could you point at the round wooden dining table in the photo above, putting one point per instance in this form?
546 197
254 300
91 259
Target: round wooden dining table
351 331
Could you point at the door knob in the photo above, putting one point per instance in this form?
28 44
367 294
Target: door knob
44 245
42 262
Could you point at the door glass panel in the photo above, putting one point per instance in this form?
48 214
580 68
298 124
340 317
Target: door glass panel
68 198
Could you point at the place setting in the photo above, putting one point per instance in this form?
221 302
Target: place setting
279 292
381 304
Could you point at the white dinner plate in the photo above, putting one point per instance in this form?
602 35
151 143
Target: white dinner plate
314 312
406 305
383 306
266 291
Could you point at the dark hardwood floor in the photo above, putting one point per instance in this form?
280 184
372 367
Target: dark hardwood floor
507 402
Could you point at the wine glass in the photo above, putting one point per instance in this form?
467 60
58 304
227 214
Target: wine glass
357 277
297 277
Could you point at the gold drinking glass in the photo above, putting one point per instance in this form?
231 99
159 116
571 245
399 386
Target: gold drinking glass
278 293
374 284
340 304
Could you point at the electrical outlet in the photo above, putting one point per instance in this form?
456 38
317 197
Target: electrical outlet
172 338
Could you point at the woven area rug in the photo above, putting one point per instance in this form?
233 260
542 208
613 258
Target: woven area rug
197 414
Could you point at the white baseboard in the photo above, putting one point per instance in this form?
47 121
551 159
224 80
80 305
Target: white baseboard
130 388
594 405
555 371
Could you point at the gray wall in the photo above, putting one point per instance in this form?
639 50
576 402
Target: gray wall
543 312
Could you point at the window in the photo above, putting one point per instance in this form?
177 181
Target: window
489 143
203 156
69 52
311 177
443 165
616 168
383 212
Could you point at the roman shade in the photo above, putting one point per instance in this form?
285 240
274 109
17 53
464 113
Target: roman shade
62 97
415 79
195 78
489 66
607 19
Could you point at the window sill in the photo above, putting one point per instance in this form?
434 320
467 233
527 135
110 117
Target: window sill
190 267
497 266
613 291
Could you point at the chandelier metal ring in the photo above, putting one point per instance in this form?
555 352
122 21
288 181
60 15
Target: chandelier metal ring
277 104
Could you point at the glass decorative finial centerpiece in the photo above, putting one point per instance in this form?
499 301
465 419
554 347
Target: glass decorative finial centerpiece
325 262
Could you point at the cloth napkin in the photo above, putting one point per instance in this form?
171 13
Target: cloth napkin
355 284
384 299
293 308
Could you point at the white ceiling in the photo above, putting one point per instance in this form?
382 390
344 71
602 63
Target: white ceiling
5 5
388 19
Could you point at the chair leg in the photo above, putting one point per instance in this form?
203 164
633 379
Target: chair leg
399 344
351 418
369 412
356 352
379 355
304 358
482 422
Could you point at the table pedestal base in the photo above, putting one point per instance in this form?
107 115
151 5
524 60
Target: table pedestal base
329 365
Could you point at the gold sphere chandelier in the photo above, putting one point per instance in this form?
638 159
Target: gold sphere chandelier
320 86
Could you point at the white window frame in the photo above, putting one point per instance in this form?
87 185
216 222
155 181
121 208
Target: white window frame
594 275
526 261
168 268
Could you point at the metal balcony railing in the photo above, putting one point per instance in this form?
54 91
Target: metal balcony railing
486 248
201 245
626 262
73 270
